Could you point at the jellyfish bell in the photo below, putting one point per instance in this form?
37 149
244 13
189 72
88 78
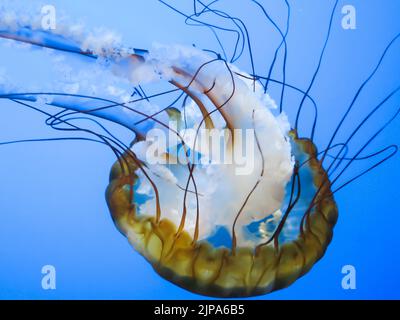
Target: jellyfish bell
207 228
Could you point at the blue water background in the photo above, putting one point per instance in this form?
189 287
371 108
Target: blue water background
52 205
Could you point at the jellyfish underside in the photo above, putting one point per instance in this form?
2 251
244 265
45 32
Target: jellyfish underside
201 266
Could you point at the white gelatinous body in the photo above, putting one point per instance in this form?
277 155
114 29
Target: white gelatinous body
222 187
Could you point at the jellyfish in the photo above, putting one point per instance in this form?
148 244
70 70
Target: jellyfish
217 190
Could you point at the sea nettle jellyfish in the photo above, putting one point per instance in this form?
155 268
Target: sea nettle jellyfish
217 190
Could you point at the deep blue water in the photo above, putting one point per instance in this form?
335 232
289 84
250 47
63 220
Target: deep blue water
52 205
